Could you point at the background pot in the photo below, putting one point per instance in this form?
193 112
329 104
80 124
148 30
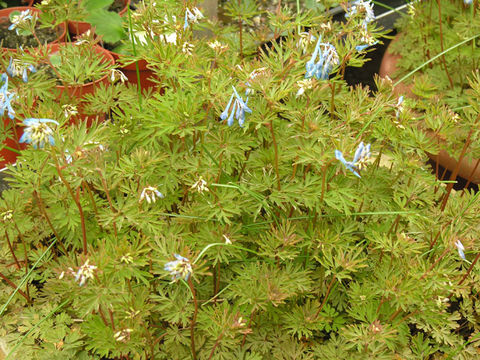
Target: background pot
79 91
9 157
130 72
79 27
468 169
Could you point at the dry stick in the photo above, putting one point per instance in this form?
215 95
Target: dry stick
215 346
441 42
110 313
435 263
326 297
102 315
11 250
15 287
455 172
194 319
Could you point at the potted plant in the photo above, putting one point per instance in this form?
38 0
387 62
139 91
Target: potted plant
17 24
435 34
78 13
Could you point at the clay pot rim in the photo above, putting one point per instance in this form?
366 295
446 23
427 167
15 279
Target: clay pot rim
62 26
103 51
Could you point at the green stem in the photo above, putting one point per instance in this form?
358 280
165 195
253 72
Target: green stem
435 58
130 29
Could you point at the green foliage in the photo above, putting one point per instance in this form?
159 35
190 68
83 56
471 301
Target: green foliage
157 231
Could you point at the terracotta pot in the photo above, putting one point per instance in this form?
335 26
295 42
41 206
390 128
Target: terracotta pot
388 67
130 72
79 27
9 157
60 29
79 91
467 169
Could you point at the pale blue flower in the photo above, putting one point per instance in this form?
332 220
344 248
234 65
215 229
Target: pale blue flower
460 249
361 7
362 154
17 68
237 110
194 15
467 2
180 268
327 59
5 98
37 132
18 20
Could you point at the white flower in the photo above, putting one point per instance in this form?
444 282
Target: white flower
169 38
200 185
7 215
69 110
84 273
150 194
303 85
217 45
305 40
460 249
123 335
227 240
20 20
187 48
116 75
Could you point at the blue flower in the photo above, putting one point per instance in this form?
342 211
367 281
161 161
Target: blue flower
362 154
37 132
460 249
327 58
467 2
362 7
5 98
237 110
19 20
16 68
192 16
180 268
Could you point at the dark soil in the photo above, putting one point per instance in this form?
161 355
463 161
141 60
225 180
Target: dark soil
15 3
117 6
11 40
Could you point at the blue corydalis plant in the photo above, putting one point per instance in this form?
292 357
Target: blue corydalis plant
180 268
37 132
17 68
6 98
237 110
327 59
362 154
193 16
361 7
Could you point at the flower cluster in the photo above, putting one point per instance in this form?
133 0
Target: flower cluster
359 160
361 7
20 20
200 186
17 68
150 193
238 109
84 273
37 132
180 268
327 59
6 98
193 16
